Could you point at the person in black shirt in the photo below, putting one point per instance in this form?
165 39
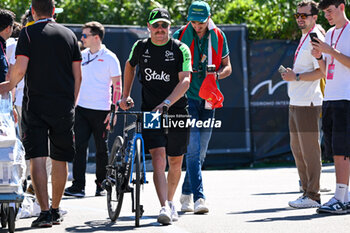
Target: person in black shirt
165 66
7 19
48 54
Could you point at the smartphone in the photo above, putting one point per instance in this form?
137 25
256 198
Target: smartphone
312 36
282 69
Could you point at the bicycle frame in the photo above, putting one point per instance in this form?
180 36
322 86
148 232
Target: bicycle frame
131 150
138 135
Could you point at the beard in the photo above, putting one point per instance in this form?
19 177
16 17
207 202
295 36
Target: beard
302 26
161 33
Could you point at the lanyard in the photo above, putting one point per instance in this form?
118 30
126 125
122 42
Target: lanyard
45 20
341 32
88 61
201 51
301 44
3 50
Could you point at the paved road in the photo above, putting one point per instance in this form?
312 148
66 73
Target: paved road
253 200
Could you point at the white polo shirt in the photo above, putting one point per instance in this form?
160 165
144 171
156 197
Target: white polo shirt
303 93
11 45
338 88
97 71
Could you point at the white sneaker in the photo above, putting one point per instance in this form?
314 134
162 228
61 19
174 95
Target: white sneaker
200 207
63 212
173 213
304 202
186 203
297 200
70 176
164 216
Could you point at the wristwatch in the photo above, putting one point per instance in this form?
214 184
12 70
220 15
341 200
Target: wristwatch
297 77
217 76
167 102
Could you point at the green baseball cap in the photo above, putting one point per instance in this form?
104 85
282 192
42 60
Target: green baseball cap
159 14
199 11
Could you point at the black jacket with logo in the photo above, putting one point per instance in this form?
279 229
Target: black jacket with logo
159 67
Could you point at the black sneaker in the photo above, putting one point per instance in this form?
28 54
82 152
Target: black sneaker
347 206
333 206
56 216
100 191
74 191
44 220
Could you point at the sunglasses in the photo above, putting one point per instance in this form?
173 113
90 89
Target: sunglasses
302 15
157 25
86 35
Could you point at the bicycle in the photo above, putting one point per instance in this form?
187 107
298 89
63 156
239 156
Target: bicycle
124 154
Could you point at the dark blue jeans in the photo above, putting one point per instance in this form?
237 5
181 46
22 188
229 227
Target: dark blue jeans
196 150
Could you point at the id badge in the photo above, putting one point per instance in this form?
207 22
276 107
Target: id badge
208 105
330 71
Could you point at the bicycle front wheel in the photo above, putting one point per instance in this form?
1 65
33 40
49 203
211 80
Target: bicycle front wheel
138 209
115 179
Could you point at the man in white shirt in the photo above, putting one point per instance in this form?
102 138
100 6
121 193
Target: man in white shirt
305 107
100 70
11 44
334 55
7 19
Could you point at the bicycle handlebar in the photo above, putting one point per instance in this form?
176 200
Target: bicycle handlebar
138 114
127 112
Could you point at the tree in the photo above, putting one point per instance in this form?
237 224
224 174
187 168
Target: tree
272 19
17 6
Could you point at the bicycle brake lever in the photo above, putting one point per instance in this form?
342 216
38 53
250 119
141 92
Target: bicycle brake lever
111 118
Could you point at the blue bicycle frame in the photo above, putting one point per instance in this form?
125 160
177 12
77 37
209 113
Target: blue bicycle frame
138 136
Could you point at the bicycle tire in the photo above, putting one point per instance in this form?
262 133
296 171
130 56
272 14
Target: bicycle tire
11 219
3 215
138 182
115 194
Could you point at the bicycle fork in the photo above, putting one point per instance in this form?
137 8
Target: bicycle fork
143 179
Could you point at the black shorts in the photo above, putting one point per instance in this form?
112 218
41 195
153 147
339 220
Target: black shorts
38 128
336 127
175 142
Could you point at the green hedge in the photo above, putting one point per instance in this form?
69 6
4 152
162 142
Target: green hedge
272 19
117 12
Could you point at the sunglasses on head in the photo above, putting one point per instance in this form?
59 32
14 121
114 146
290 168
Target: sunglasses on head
302 15
157 25
86 35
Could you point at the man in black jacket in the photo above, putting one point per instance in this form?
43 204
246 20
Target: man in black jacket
52 83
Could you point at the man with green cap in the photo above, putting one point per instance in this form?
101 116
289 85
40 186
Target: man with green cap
165 66
208 46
